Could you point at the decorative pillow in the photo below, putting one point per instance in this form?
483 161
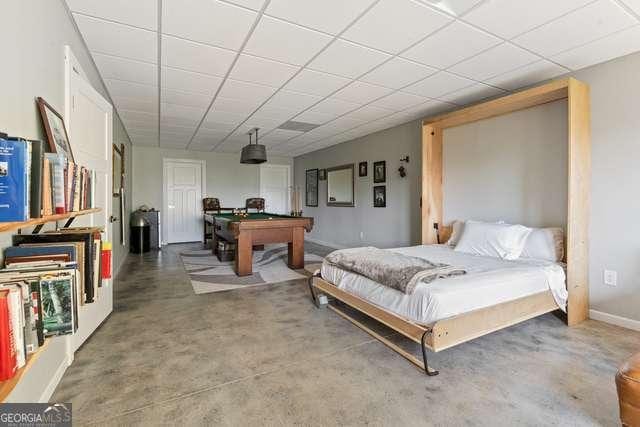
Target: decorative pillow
504 241
456 231
545 243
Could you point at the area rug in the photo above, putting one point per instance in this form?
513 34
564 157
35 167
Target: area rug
208 274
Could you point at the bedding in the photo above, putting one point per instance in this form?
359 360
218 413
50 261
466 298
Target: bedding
504 241
392 269
545 243
488 281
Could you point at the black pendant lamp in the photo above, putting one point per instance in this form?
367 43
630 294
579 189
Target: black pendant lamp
253 153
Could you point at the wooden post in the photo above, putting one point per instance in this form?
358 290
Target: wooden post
431 182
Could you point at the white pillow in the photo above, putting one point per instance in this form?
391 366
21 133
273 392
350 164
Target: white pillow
545 243
504 241
456 232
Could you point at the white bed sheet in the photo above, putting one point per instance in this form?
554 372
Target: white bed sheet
488 281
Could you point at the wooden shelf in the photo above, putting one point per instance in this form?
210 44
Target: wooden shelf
9 226
6 387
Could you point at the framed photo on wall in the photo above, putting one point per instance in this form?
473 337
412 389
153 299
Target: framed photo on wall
362 169
54 128
379 171
311 187
379 196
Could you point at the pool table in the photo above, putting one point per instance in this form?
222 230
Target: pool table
258 229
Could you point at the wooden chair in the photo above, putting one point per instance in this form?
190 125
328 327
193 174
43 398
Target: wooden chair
211 204
256 203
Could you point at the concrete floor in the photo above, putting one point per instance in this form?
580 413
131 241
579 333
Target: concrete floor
267 356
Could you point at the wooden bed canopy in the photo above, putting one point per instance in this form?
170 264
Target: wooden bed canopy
449 332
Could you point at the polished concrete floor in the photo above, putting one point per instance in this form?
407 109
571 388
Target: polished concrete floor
267 356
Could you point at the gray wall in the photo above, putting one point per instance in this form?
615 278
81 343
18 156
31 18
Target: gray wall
396 225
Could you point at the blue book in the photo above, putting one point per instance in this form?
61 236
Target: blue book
14 182
32 251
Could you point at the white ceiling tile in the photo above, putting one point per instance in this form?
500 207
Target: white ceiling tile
613 46
271 112
398 73
149 105
330 16
508 18
394 25
178 121
251 4
237 89
213 127
429 108
314 117
634 5
236 106
527 75
282 41
334 106
348 59
362 93
497 60
316 83
223 117
114 67
145 142
207 21
174 110
185 98
258 70
118 39
280 135
139 13
261 122
450 45
399 101
452 7
582 26
192 56
138 116
289 100
370 112
471 94
124 88
188 81
438 84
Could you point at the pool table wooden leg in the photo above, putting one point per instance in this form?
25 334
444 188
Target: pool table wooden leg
244 254
296 249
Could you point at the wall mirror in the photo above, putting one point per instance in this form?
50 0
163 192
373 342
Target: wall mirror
118 169
340 186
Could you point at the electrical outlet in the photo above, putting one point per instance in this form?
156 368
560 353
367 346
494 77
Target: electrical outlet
362 235
610 277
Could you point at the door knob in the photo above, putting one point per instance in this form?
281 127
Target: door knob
113 218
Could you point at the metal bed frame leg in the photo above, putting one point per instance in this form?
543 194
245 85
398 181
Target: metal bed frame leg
431 373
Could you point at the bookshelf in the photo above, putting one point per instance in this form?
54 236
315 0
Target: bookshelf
35 222
6 387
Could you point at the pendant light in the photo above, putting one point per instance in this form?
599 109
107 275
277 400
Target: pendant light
253 153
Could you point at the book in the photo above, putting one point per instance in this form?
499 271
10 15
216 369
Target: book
16 313
37 170
57 163
8 365
56 294
47 201
14 182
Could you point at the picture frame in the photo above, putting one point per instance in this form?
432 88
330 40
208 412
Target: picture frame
118 164
379 171
311 187
380 196
322 174
55 130
362 169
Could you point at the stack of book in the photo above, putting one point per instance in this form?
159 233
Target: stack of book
34 183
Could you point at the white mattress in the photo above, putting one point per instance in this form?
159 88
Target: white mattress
488 281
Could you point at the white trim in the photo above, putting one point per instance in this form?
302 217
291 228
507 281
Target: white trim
323 243
53 382
615 320
276 166
203 189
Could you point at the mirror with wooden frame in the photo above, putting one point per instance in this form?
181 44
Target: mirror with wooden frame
340 186
118 169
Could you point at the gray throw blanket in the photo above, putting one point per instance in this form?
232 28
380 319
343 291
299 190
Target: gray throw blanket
392 269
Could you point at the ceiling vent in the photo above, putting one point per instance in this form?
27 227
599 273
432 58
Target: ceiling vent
298 126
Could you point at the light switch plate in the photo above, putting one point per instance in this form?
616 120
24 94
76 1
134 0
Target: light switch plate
610 277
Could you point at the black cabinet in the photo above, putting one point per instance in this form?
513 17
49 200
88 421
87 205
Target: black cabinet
154 223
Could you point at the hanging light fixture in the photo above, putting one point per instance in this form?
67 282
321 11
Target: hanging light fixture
253 153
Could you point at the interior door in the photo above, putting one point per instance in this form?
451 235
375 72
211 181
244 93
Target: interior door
183 184
274 187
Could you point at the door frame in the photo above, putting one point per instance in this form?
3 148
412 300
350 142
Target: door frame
276 166
165 201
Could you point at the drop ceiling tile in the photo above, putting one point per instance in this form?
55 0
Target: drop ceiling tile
236 106
634 5
264 123
316 83
334 106
145 142
497 60
527 75
394 25
370 112
115 67
330 16
282 41
252 92
142 132
397 73
138 116
198 57
189 99
174 110
188 81
139 13
438 84
207 21
429 108
604 49
178 121
280 135
263 71
508 18
450 45
118 39
362 93
472 94
399 101
292 100
211 126
589 23
251 4
314 117
124 88
275 113
347 59
452 7
149 105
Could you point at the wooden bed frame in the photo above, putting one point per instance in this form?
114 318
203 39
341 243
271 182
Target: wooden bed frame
458 329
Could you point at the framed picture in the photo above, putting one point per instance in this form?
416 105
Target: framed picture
54 128
379 196
311 186
362 169
379 171
118 163
322 174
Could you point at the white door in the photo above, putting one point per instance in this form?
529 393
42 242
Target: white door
89 121
183 193
274 187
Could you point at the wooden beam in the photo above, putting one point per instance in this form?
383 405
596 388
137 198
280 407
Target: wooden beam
431 182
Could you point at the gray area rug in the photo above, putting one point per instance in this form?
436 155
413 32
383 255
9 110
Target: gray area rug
208 274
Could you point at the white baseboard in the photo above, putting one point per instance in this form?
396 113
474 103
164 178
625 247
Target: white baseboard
615 320
323 243
53 382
